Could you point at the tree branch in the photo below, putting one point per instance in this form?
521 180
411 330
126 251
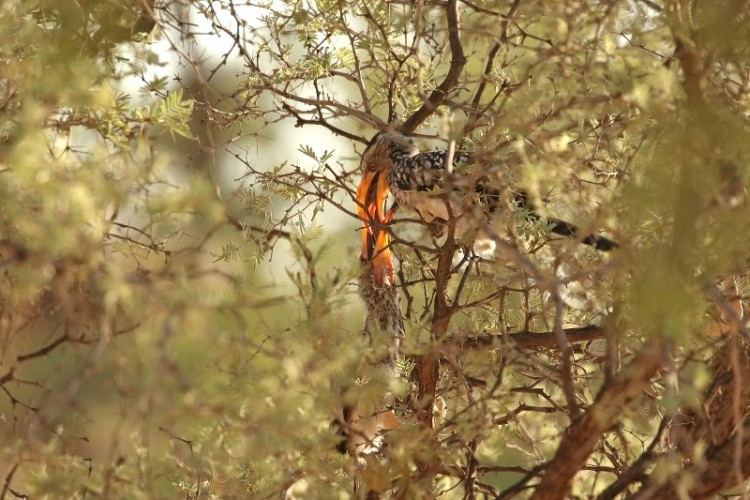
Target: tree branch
493 52
583 434
636 470
535 339
458 61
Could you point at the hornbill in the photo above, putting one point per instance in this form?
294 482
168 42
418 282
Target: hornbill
392 163
364 424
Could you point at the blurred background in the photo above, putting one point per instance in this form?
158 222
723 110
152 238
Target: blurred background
179 246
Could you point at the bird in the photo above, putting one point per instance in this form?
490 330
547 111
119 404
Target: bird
392 163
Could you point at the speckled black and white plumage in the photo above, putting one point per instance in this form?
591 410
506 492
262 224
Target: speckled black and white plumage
408 168
415 180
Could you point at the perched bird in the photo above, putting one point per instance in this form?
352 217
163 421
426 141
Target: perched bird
393 164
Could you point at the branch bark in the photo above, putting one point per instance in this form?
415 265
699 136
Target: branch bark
535 339
584 433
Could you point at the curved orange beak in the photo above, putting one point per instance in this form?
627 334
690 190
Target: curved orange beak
371 198
373 189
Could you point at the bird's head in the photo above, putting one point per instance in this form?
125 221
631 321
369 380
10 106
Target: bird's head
371 201
383 151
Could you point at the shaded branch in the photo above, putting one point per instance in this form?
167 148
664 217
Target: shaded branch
636 470
566 352
6 486
322 122
584 433
535 339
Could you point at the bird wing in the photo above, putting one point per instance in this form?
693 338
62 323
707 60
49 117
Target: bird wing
425 171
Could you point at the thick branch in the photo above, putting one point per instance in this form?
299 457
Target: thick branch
635 472
584 433
534 339
429 370
566 352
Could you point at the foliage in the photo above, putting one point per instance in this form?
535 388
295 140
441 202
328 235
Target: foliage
168 329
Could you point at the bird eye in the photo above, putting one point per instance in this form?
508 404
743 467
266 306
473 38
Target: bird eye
371 167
